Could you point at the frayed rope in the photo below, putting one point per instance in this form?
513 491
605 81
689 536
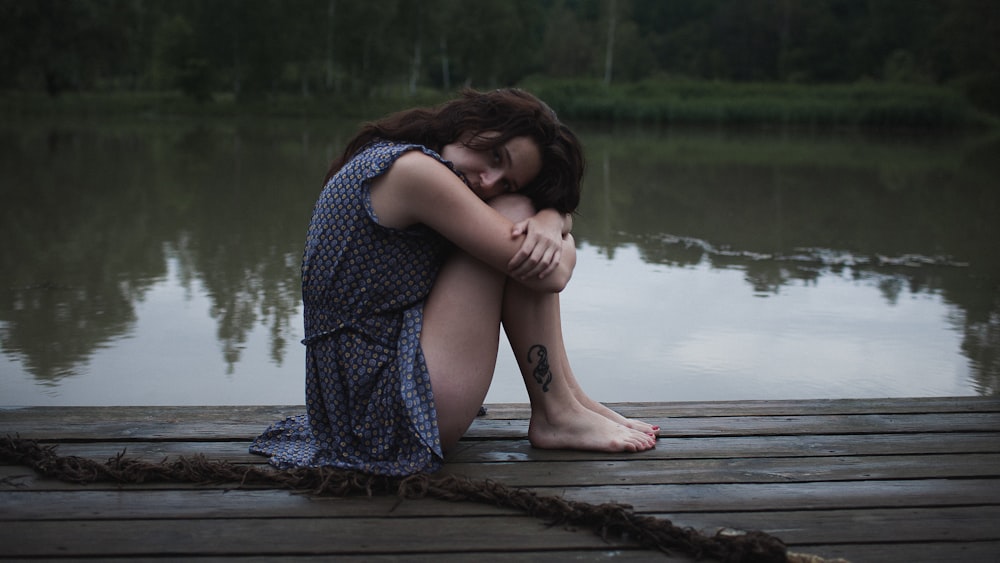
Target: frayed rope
607 520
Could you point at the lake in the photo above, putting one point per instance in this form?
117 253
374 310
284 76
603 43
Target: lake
156 262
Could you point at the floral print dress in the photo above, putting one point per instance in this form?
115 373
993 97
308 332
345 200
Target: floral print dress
369 404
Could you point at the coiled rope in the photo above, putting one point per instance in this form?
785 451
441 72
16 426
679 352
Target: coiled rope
607 520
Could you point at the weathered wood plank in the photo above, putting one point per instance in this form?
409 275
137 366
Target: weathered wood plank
970 552
825 495
234 452
252 536
964 552
221 503
815 445
263 414
549 556
786 425
77 427
707 471
218 502
667 448
414 535
677 418
819 527
781 407
740 470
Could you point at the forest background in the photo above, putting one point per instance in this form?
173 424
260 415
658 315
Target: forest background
857 62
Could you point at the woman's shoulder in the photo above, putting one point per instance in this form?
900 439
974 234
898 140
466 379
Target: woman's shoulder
379 156
413 158
406 183
391 150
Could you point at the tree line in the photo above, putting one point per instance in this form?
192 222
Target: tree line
252 48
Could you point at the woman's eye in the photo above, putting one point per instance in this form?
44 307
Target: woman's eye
496 156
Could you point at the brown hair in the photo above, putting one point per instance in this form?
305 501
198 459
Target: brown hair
509 112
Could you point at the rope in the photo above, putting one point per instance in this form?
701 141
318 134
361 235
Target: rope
607 520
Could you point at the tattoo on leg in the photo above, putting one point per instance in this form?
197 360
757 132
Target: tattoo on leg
542 373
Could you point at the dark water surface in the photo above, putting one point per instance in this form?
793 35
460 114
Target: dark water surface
156 262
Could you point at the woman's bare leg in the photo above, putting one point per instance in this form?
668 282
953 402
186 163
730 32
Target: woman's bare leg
521 298
460 339
562 415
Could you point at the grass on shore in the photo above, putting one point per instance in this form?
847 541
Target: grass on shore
704 102
660 101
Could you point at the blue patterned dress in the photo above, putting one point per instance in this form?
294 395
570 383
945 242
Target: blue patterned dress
369 404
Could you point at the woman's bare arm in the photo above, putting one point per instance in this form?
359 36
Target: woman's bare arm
419 189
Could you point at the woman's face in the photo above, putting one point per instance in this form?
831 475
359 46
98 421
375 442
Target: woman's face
492 172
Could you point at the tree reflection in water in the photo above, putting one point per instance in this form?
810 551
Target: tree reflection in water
915 213
91 213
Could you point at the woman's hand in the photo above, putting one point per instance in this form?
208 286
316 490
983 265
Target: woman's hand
541 250
534 251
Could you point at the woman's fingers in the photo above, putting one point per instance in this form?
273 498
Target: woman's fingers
542 261
539 254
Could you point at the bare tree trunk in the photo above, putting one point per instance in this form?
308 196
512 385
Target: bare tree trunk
785 33
445 71
237 60
417 57
609 53
415 67
330 11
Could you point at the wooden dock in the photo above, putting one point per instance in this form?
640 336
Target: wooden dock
865 480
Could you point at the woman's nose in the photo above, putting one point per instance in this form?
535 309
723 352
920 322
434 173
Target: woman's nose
489 177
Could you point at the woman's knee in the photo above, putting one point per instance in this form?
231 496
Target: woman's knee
515 207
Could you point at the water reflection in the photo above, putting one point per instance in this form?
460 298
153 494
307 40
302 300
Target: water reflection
913 213
91 213
95 214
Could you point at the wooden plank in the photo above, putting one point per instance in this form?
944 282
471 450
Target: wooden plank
219 502
667 448
253 536
816 445
234 452
686 471
965 552
549 556
952 524
264 414
789 496
708 471
788 425
971 552
741 470
247 422
780 407
376 535
78 427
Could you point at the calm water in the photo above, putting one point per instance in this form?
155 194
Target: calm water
156 262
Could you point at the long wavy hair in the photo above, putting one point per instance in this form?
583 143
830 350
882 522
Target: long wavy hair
509 112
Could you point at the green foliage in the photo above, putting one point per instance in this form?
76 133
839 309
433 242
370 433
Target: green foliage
680 101
58 46
612 50
177 61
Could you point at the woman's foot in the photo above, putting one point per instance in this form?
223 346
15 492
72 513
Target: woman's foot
606 412
639 425
583 429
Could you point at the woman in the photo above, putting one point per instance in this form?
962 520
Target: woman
435 227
